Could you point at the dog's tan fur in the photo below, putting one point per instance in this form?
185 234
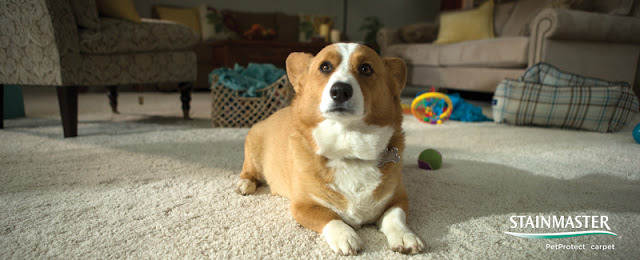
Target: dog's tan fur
281 150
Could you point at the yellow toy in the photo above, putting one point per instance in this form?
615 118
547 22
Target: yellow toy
432 107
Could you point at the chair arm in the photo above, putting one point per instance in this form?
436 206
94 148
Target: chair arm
387 37
39 35
565 24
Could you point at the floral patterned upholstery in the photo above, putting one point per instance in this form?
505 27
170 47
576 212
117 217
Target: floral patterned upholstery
120 36
43 44
31 52
86 12
141 68
49 43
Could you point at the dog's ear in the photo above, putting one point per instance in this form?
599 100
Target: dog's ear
297 66
397 74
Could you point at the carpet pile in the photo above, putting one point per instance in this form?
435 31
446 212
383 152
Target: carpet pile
145 186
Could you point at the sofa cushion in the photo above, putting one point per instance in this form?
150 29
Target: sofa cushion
521 16
501 14
414 53
120 36
503 52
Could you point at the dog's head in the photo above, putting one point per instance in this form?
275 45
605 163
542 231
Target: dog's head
347 81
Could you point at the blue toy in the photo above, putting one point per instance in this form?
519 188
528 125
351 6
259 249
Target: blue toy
464 111
636 133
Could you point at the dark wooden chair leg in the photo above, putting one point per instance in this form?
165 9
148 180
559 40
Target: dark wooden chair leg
112 93
1 106
68 101
185 97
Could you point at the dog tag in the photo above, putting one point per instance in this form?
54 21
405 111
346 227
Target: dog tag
389 155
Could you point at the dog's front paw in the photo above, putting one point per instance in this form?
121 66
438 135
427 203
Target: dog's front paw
405 242
400 238
244 186
341 238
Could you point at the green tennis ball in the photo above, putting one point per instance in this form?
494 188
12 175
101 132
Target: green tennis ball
430 159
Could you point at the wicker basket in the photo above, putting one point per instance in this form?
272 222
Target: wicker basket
230 109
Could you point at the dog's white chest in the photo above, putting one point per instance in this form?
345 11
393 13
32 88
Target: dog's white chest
357 180
351 140
353 151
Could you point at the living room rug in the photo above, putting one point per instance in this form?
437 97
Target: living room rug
143 186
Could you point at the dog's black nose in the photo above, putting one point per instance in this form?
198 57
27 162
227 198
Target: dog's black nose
341 92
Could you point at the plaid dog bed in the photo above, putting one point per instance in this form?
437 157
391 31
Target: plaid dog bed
547 96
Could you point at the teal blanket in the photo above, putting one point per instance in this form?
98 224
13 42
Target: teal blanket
247 80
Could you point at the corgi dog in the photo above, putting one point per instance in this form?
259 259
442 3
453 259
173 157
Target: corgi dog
336 151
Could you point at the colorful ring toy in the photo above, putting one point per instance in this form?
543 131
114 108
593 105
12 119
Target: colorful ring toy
432 107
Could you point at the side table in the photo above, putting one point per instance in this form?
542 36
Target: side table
227 53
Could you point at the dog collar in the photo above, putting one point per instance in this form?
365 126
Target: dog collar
389 155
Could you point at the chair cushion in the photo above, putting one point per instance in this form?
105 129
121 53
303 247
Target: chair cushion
503 52
130 68
120 36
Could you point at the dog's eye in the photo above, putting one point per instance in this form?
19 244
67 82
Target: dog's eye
365 69
326 67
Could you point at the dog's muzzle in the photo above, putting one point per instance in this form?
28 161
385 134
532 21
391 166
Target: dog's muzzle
341 93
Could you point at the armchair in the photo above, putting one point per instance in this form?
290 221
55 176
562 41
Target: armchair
48 43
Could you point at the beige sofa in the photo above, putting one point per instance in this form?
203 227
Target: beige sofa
594 44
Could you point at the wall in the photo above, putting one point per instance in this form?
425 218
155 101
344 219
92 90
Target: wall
393 14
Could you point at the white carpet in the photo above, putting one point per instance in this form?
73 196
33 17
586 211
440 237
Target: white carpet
139 186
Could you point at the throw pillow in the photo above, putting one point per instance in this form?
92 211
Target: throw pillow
207 30
218 25
419 32
474 24
187 16
121 9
